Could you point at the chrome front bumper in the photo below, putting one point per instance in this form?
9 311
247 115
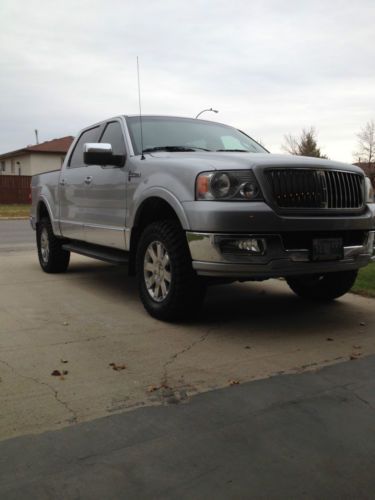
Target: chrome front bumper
208 259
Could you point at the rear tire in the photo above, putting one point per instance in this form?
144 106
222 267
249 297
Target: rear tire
168 286
52 257
327 286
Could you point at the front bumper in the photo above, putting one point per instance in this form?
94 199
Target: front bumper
258 217
276 261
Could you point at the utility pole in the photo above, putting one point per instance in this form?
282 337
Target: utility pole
36 136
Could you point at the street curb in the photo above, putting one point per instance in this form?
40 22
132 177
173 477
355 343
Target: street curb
14 218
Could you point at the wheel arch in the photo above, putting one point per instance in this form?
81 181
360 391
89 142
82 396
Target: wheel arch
44 210
152 209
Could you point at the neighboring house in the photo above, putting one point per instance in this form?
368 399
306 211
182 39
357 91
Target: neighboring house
35 159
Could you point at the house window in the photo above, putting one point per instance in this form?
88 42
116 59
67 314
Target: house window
2 166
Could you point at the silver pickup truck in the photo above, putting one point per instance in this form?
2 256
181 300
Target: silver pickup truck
186 203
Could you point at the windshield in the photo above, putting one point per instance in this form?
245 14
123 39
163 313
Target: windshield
187 134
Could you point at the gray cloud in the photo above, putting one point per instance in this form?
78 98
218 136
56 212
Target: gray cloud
270 67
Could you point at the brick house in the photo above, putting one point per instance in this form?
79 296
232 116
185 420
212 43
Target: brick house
35 159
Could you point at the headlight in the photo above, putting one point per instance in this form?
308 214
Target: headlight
234 185
220 185
369 191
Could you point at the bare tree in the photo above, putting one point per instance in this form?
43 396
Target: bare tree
305 145
366 143
366 150
290 145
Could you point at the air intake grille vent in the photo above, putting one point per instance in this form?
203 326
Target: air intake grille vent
316 189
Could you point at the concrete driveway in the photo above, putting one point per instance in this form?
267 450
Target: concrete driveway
306 436
90 324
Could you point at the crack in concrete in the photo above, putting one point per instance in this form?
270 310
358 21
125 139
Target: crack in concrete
303 398
360 398
316 365
63 403
174 357
350 388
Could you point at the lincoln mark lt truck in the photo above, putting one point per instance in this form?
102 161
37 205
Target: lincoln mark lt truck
186 203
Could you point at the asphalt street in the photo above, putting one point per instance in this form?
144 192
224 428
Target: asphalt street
264 396
288 437
16 235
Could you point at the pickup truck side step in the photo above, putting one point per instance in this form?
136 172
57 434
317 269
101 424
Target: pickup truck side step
111 255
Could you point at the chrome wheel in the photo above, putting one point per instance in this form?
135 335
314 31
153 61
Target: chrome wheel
44 245
157 271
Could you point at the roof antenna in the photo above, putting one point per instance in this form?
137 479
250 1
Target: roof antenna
140 109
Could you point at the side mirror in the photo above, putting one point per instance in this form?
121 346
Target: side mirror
101 154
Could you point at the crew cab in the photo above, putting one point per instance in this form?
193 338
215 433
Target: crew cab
186 203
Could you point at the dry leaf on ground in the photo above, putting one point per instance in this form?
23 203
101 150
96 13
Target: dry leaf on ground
234 382
117 367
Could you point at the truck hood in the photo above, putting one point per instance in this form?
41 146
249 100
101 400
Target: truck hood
235 161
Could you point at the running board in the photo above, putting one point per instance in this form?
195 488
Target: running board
111 255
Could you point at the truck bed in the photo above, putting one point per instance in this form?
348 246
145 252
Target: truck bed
45 186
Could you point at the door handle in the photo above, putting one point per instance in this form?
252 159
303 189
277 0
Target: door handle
133 174
88 179
62 182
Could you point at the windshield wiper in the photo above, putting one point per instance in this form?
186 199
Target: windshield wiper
173 149
234 150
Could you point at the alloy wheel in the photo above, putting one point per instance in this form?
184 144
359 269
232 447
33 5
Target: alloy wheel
157 271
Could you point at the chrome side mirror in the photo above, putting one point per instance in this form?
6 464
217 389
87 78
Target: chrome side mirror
95 153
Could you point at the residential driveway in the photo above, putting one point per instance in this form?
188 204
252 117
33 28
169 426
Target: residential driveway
90 323
288 437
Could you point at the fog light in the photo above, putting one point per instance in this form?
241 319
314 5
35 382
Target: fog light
252 245
239 248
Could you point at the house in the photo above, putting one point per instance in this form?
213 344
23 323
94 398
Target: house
35 159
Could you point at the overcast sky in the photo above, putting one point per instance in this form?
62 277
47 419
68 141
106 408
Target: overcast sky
270 67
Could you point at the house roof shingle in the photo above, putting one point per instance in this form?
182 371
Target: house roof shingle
59 146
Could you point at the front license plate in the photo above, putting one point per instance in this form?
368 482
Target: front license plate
327 249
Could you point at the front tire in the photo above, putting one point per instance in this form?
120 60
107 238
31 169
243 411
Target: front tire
168 286
52 257
326 287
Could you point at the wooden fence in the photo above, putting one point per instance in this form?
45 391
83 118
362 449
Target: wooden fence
15 189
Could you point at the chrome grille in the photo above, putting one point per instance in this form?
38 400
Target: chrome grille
316 188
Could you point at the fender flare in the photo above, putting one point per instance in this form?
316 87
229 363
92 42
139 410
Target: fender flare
55 224
168 197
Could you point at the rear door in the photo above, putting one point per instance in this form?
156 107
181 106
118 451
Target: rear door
72 189
104 222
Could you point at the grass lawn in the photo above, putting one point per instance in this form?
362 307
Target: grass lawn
14 210
365 284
